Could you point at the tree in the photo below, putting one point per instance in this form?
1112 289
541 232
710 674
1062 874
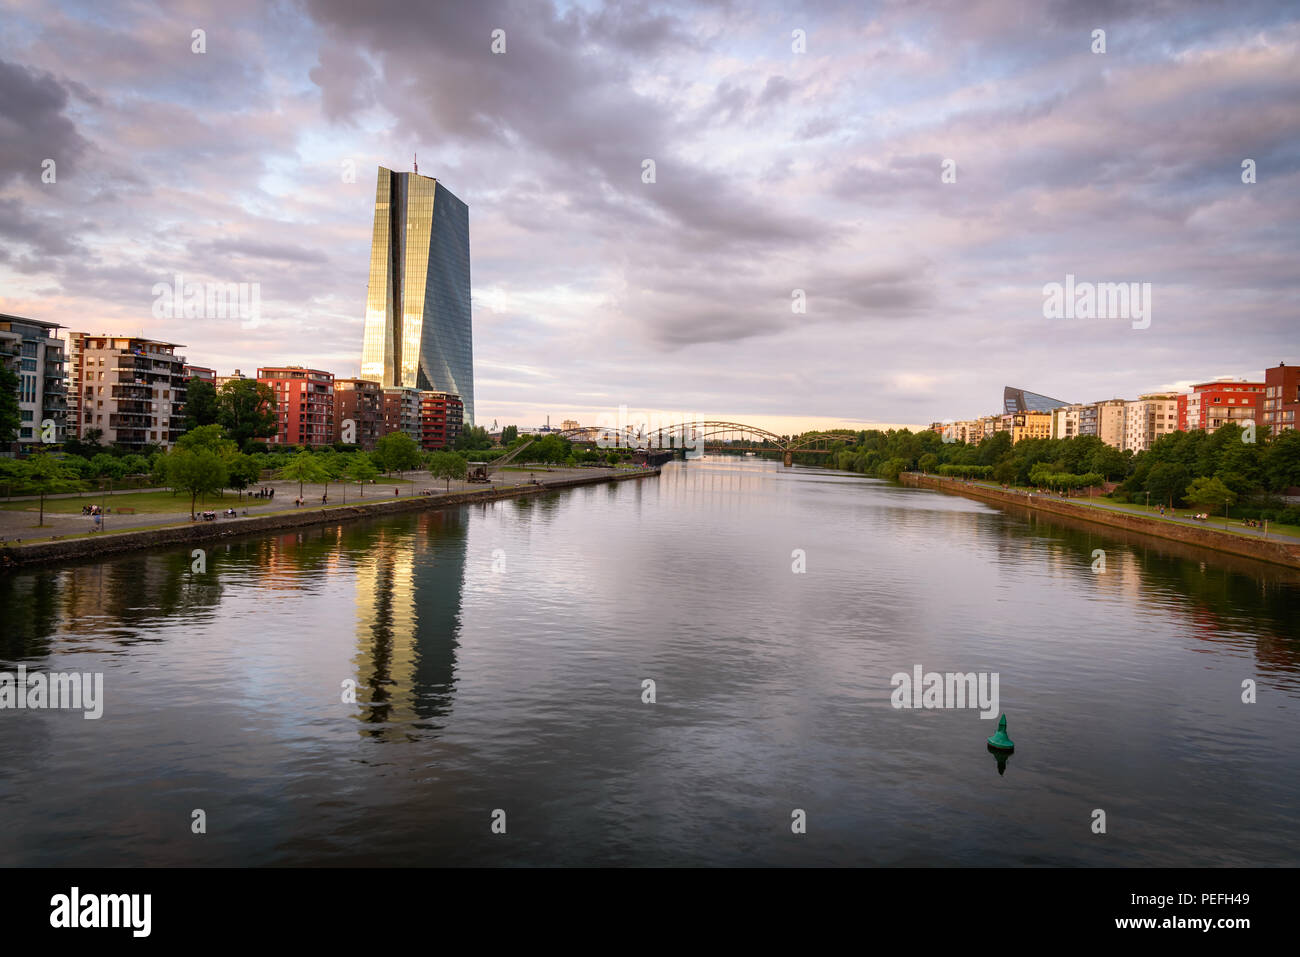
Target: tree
473 438
928 461
247 410
12 472
509 434
134 464
202 406
244 471
304 467
10 415
360 469
1166 482
210 437
396 452
88 446
1210 492
1109 461
158 469
1042 473
891 468
198 471
550 448
104 465
1282 461
447 465
334 465
1005 471
993 448
48 474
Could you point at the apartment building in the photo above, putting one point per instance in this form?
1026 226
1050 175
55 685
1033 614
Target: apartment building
31 349
130 387
236 376
1106 421
1281 405
1211 405
1030 425
304 404
1147 418
1067 420
441 417
401 413
361 403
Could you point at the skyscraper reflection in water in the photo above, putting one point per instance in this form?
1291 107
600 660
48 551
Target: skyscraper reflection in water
408 623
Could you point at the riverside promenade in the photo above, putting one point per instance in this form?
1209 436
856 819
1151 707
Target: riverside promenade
1277 548
67 536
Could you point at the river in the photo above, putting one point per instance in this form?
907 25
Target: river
499 655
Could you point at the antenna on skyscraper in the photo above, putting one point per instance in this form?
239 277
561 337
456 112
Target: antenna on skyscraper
417 162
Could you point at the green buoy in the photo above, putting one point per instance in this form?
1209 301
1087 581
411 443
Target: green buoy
1000 741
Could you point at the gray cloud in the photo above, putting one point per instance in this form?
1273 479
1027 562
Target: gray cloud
33 125
775 171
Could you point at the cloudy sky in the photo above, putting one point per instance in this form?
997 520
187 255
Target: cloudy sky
794 148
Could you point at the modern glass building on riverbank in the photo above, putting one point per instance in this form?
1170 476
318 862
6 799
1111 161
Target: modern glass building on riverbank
1018 400
419 333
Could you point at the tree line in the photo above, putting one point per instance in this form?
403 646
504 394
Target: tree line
1215 469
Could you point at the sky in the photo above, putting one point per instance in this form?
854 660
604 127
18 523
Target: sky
854 211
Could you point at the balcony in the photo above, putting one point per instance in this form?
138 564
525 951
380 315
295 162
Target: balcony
134 403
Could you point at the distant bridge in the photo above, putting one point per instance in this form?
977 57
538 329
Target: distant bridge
709 436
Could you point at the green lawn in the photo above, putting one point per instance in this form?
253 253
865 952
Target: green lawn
1215 521
161 502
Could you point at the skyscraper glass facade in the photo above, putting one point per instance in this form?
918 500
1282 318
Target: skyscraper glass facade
419 333
1018 400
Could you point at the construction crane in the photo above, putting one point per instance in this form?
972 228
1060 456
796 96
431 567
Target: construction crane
482 471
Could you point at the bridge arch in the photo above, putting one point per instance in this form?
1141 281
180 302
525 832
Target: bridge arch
678 434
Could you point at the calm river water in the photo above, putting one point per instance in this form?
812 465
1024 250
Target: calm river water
499 652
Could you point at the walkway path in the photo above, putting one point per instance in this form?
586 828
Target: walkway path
1220 524
16 524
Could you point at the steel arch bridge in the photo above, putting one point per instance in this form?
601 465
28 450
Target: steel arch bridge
697 434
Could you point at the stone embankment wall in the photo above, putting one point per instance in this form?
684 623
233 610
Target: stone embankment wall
1278 552
94 546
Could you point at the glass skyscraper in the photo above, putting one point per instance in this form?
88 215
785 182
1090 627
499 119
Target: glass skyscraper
1018 400
419 333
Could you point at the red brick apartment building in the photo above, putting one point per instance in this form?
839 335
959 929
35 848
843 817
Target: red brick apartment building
360 401
1213 404
441 416
1281 397
304 404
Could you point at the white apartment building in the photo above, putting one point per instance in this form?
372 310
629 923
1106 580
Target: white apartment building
129 387
1066 421
1147 418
